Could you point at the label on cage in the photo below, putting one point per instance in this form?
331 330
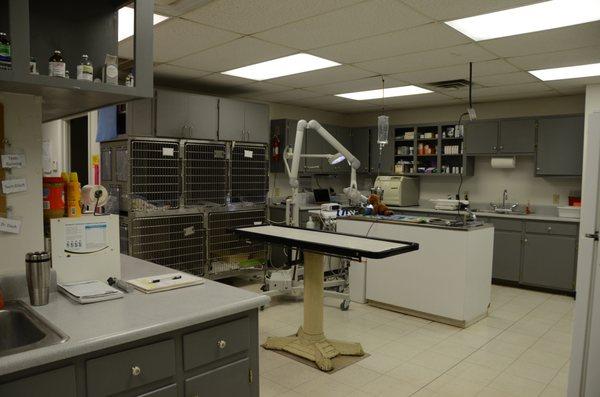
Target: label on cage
257 223
14 186
168 151
188 231
10 226
219 154
13 160
248 153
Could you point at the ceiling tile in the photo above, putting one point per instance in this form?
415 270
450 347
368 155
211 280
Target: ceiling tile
361 20
484 68
505 79
333 103
571 37
579 56
323 76
421 38
237 53
573 86
429 59
295 94
370 83
506 90
260 88
252 16
176 38
513 96
433 98
177 72
444 10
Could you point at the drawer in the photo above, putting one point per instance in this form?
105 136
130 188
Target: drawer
132 368
214 343
555 228
226 381
167 391
57 383
507 224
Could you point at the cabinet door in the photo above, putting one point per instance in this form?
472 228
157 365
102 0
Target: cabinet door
315 144
139 120
517 136
560 146
55 383
203 116
231 119
481 137
507 255
360 138
549 261
227 381
387 155
171 113
256 122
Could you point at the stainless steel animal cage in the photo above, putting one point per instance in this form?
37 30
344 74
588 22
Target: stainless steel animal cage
144 172
205 173
229 255
249 172
175 241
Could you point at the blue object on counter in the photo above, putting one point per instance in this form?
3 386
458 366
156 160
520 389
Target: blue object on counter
107 124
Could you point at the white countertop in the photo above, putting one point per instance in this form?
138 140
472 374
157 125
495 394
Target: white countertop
137 316
531 217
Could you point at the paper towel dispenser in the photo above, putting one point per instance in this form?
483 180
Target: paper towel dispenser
504 162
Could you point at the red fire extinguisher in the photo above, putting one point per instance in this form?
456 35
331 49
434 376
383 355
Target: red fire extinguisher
276 148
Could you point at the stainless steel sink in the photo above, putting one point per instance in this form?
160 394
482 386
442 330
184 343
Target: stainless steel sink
22 329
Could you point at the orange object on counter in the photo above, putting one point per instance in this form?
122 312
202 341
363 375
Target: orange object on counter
54 197
73 196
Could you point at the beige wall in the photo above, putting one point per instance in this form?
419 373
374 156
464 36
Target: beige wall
23 128
281 111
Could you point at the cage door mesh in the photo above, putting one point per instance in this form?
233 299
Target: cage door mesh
226 251
205 180
155 175
249 173
173 241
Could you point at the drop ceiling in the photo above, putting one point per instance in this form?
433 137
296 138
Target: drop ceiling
404 40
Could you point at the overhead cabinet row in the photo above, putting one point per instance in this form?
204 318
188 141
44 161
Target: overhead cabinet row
176 114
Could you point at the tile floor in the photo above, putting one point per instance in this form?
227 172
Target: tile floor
521 349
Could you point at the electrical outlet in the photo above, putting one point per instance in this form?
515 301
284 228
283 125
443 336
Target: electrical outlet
556 199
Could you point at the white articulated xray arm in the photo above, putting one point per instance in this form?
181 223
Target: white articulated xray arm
293 173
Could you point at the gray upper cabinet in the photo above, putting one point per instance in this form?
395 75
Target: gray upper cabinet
315 144
387 155
360 138
481 137
517 136
139 120
342 134
243 121
185 115
560 146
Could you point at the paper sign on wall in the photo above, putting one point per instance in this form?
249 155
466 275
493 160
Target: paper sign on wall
248 153
14 186
10 225
13 160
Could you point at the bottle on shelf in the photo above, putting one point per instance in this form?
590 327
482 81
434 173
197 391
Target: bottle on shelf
5 55
130 80
33 66
56 65
85 70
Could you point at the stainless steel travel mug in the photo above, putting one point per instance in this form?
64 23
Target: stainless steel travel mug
37 265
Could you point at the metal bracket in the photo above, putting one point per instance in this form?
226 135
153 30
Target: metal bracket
595 235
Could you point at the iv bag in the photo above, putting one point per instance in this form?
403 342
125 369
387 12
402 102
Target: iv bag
383 126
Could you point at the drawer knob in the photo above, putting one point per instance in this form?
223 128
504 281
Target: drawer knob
221 344
135 370
549 228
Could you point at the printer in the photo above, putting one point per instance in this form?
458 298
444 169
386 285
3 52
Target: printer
402 191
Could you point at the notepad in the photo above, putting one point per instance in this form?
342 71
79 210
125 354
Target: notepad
89 291
165 282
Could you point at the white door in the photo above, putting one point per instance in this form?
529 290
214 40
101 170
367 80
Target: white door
584 377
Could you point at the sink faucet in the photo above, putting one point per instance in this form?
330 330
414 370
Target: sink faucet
504 198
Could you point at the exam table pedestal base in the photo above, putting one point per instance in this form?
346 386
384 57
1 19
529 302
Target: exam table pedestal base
310 341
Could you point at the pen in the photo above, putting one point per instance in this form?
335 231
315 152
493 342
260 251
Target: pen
158 280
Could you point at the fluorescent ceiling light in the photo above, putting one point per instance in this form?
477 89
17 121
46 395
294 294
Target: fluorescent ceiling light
279 67
127 22
532 18
387 93
569 72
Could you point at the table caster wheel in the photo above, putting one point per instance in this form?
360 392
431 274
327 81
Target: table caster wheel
262 308
345 305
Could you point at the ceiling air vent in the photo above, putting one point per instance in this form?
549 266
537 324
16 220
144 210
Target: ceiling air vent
450 84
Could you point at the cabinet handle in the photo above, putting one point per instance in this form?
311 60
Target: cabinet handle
525 240
549 228
501 147
493 147
221 344
135 370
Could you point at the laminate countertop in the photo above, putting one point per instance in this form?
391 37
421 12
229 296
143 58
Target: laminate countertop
136 316
531 217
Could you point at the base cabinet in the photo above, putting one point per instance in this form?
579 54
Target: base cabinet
226 381
507 255
549 261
